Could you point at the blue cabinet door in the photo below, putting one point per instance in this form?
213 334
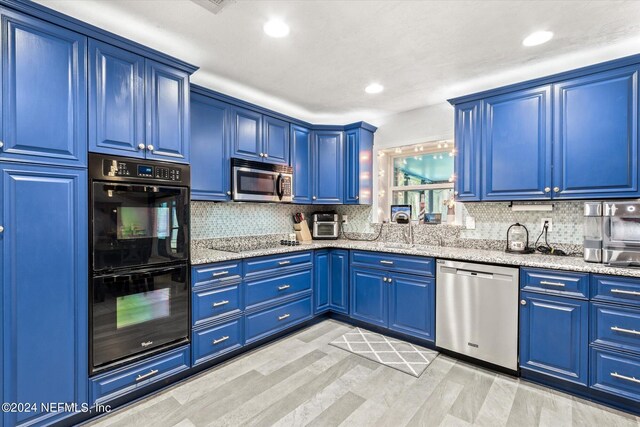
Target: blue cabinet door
554 336
44 95
412 305
322 277
328 167
468 137
369 296
596 136
275 140
44 287
302 163
516 149
246 134
167 107
116 101
209 149
358 175
339 283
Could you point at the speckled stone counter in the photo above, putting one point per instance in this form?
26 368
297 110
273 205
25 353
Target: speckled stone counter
203 255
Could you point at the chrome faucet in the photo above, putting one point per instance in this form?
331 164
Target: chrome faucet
408 237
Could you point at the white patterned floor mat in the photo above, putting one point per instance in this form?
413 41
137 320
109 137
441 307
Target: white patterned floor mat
397 354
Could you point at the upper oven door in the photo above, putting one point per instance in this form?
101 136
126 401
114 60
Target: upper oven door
621 225
138 225
256 185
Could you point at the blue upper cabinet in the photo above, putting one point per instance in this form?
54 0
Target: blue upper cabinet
44 288
116 101
468 136
44 95
328 155
247 134
358 179
167 108
210 165
302 163
596 135
275 140
516 149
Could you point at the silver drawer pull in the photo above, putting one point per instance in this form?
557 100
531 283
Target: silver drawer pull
283 287
146 343
284 262
220 273
386 262
219 340
627 331
220 303
622 291
147 375
559 284
284 316
626 378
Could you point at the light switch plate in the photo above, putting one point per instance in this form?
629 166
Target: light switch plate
345 219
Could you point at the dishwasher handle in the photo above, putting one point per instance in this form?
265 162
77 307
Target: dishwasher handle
471 273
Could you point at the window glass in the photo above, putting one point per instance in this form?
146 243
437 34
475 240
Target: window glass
423 169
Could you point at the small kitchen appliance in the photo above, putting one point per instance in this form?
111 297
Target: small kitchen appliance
518 239
326 226
612 232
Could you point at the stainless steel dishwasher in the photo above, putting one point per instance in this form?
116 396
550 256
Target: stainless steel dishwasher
477 311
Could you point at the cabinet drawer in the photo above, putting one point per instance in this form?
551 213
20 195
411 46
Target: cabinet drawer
615 326
274 263
116 383
211 342
274 288
615 373
401 263
615 289
211 303
555 282
267 322
216 273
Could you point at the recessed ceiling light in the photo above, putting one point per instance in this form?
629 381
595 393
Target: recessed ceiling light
539 37
374 88
276 28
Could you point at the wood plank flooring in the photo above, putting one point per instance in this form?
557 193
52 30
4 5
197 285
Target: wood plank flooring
303 381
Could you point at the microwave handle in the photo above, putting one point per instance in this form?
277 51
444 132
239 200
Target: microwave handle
279 186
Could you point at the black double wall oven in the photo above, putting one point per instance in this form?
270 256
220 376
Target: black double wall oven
139 259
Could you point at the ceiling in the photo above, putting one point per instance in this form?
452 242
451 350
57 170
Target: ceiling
423 52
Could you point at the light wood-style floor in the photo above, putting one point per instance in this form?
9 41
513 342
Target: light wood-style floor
301 380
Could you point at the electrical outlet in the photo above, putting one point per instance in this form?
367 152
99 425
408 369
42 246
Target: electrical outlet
549 222
470 223
345 219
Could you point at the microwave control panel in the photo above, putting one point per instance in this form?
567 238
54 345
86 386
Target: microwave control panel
140 170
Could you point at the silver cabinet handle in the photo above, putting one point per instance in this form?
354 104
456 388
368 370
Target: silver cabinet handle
261 154
314 197
455 193
2 144
146 344
266 155
1 229
284 262
622 291
284 316
384 279
283 287
626 331
556 189
389 280
547 189
219 340
147 375
626 378
523 302
228 193
357 197
220 273
559 284
220 303
150 147
141 146
386 262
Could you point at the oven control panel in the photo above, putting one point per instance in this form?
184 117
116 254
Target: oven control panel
139 170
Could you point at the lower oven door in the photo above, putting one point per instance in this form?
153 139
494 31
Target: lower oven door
136 313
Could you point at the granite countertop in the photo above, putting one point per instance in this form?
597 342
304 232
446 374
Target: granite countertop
201 256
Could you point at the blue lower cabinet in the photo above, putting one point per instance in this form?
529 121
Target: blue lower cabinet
369 296
412 305
43 320
322 278
272 289
213 341
615 326
615 373
116 383
270 321
554 336
210 303
339 281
